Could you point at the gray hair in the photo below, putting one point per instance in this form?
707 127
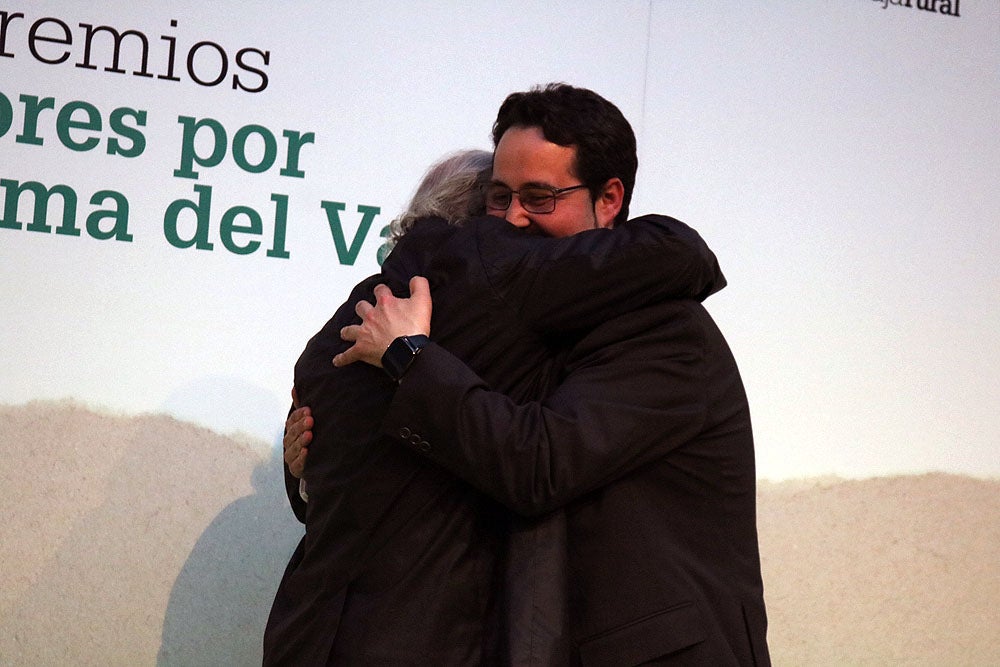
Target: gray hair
450 189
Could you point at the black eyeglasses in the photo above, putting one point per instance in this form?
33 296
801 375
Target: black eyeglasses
534 199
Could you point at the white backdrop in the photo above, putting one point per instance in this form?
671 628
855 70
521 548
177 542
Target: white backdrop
841 158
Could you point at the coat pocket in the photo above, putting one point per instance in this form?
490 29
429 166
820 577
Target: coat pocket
646 638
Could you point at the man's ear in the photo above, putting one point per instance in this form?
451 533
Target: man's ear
609 202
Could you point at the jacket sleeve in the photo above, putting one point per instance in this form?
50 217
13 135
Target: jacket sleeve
562 285
632 393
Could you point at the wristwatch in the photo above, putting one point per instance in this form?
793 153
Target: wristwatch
400 354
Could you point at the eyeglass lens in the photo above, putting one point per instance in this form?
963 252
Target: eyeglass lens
534 200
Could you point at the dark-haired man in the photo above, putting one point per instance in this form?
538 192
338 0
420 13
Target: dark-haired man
644 449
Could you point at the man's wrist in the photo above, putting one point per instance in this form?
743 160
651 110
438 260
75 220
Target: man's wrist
401 354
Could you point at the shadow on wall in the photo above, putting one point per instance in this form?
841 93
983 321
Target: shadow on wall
136 540
220 601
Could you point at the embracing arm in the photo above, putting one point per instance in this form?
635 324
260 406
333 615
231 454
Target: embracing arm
633 388
574 283
556 285
621 405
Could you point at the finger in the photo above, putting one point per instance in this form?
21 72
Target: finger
295 422
362 308
420 288
292 431
300 463
297 465
291 453
420 295
382 292
297 435
350 332
295 398
296 445
291 445
346 357
298 423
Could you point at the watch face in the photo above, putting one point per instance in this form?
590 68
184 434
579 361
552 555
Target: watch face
416 342
400 354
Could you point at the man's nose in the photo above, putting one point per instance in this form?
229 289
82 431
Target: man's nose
516 215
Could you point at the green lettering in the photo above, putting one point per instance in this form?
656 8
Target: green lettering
295 143
117 123
280 224
39 222
202 209
384 250
188 153
6 114
32 107
240 145
119 230
229 227
347 256
65 123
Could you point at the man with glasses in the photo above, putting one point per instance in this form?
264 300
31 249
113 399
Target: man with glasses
642 456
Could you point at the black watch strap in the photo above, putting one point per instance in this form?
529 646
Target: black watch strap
400 354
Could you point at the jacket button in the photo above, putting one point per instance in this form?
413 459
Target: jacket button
404 433
424 447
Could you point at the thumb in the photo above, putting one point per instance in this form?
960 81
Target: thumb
420 290
420 295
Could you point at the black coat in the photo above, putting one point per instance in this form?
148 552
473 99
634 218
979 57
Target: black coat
402 562
646 448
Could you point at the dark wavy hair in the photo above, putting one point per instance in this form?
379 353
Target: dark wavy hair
577 117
